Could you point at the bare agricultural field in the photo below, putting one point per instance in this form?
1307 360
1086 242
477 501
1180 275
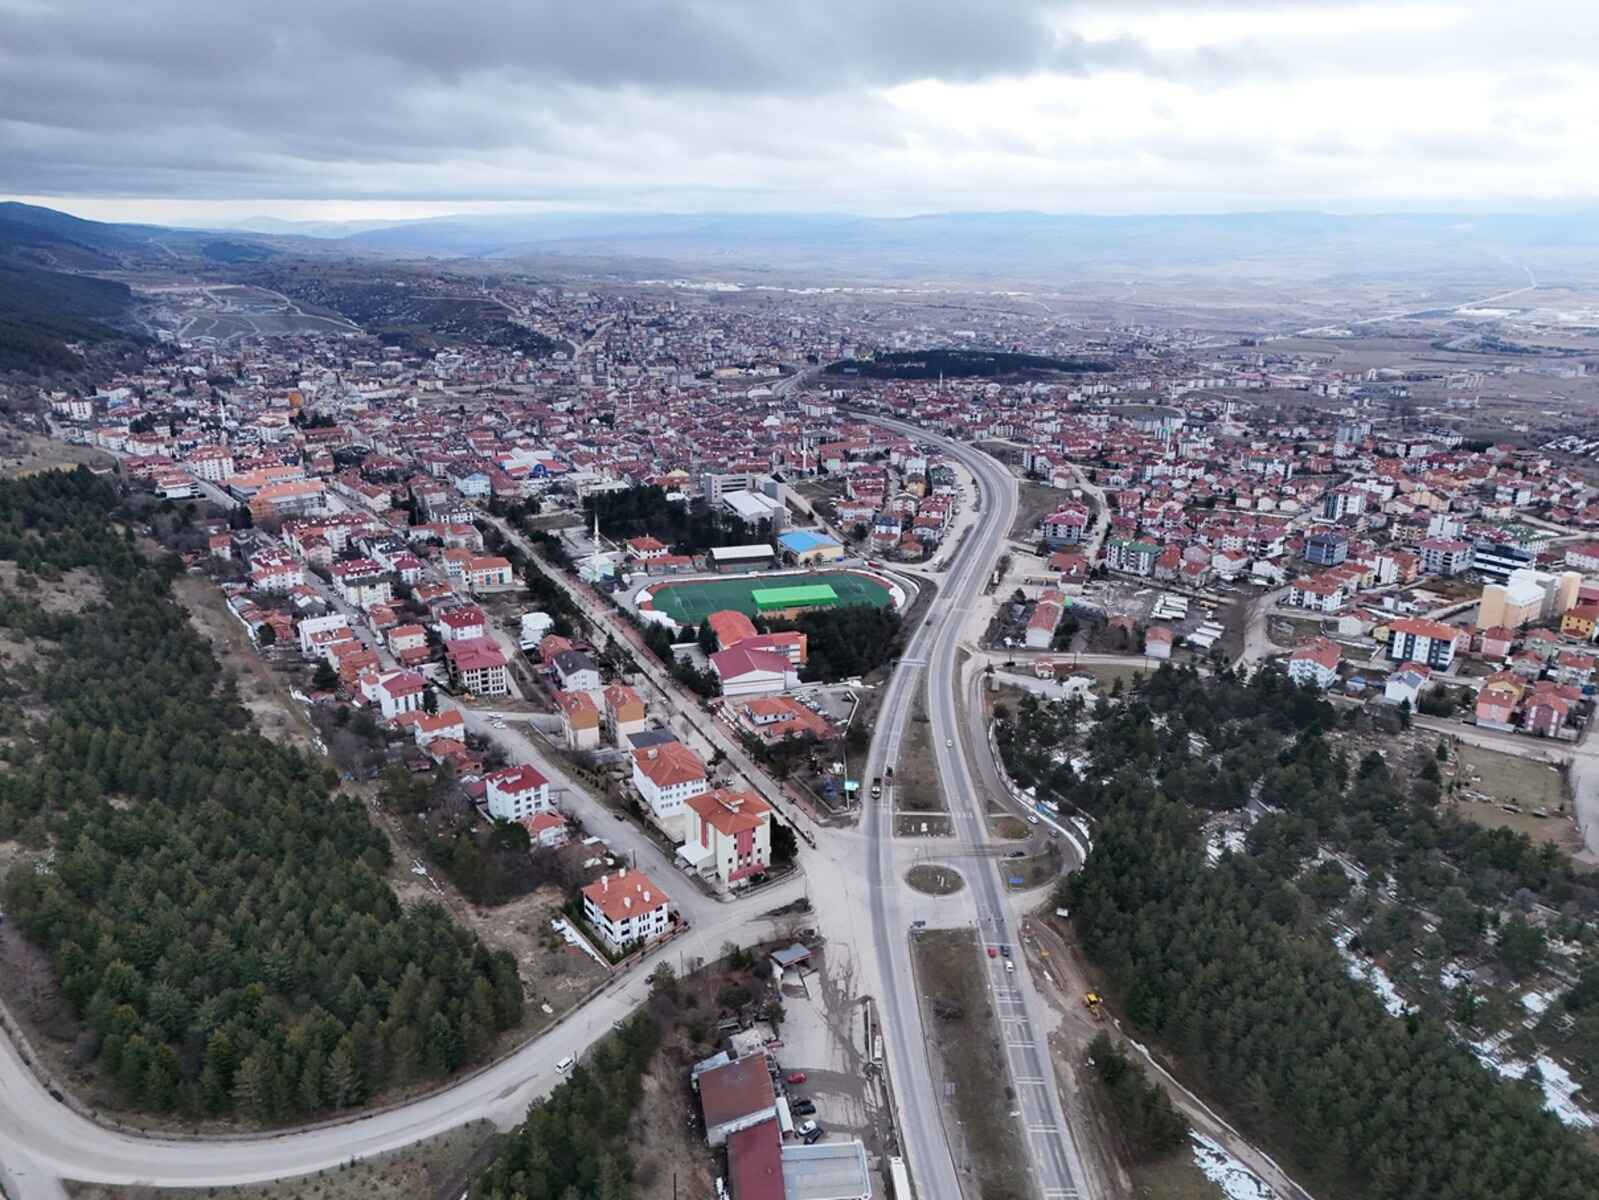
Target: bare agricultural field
438 1168
30 453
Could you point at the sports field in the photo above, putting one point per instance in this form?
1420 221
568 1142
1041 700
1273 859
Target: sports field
691 603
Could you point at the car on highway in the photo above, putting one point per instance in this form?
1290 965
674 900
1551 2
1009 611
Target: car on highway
992 952
949 743
1005 950
795 1077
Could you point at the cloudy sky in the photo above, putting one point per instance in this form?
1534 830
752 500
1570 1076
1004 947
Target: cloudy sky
331 109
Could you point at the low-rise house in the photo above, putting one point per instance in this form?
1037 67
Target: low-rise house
1497 700
1158 641
576 671
394 692
745 672
1405 685
1413 639
547 830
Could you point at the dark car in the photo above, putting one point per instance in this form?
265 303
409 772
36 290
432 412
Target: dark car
814 1136
803 1108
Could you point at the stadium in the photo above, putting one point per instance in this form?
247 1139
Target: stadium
768 594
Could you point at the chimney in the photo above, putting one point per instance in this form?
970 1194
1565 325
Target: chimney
646 897
627 901
605 883
622 874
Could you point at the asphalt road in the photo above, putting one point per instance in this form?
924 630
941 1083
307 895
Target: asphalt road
933 657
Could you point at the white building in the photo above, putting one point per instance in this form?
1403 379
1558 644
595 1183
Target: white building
666 776
514 793
626 909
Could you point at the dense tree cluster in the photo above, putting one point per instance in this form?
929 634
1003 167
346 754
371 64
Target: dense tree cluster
1230 966
217 919
574 1145
1144 1112
846 641
688 527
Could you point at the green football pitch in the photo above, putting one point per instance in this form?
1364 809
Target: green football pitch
691 603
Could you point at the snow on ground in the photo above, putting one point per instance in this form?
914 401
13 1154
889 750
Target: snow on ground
1559 1088
1219 841
1537 1003
1452 975
1235 1180
1370 974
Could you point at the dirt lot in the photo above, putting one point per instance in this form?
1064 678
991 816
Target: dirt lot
553 973
1037 501
29 453
439 1168
264 690
970 1063
1509 779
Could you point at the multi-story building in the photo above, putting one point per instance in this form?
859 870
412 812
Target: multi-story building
1445 556
626 910
666 776
729 837
1315 662
477 665
1414 639
1326 548
1131 556
514 793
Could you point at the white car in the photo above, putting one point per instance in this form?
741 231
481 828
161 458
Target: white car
949 743
805 1127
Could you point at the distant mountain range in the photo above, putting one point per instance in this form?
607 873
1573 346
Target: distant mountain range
1259 260
937 247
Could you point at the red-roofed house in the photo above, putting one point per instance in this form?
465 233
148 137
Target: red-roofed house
516 792
1315 662
753 672
547 830
624 711
478 666
580 720
463 622
394 692
1413 639
626 909
666 776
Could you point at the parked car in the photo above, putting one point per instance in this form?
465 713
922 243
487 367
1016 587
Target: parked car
1005 949
795 1077
802 1107
991 952
806 1128
813 1136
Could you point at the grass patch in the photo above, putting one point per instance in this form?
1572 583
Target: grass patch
1010 827
1175 1179
916 785
1034 871
934 881
1510 779
961 1023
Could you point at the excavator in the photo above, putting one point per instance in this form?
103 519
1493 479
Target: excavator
1094 1004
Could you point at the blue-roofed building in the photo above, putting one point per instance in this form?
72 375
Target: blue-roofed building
809 547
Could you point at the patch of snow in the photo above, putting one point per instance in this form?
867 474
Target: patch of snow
1537 1003
1370 974
1452 975
1221 841
1235 1180
1559 1088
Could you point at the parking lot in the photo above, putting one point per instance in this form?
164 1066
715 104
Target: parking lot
824 1037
